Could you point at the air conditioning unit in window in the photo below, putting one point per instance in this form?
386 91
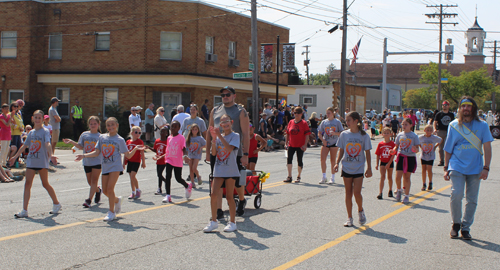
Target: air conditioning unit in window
234 63
210 57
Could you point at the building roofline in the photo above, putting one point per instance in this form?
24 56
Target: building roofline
182 1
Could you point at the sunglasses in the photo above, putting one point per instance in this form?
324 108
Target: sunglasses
227 121
137 132
193 105
225 95
162 111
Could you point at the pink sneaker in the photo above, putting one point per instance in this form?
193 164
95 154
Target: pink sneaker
189 189
131 197
137 194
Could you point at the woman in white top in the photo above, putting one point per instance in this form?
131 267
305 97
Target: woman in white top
159 121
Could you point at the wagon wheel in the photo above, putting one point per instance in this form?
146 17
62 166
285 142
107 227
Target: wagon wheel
257 201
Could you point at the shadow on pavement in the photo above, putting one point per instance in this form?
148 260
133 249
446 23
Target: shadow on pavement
47 221
419 206
484 245
125 227
139 201
243 243
391 237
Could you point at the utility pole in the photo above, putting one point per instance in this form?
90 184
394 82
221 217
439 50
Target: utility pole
306 62
255 72
343 61
441 16
494 75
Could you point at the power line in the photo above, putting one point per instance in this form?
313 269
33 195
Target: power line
296 11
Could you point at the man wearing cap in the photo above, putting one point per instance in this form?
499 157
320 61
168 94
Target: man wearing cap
441 121
55 122
181 115
76 117
469 139
241 124
134 119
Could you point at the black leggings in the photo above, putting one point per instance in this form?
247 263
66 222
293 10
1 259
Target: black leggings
159 171
300 154
178 177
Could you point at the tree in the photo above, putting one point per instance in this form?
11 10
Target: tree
330 69
419 98
476 83
321 79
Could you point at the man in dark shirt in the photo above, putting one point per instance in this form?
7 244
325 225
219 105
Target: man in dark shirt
441 121
395 127
204 112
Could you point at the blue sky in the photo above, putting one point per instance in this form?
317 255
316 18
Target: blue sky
364 16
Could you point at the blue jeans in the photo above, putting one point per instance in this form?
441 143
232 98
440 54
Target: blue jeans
459 184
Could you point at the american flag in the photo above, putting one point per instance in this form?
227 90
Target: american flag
355 51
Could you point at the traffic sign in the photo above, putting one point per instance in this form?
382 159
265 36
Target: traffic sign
242 75
488 101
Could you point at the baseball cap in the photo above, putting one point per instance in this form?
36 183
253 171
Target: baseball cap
229 88
54 99
45 117
446 102
138 108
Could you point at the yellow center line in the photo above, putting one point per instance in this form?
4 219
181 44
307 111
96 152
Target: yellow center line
59 227
339 240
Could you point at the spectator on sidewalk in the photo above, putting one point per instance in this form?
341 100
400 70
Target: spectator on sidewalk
149 121
55 122
180 116
134 119
76 117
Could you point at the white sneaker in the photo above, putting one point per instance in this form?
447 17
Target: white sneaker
231 227
212 225
55 208
323 180
21 214
332 181
348 223
167 199
362 217
199 180
118 206
111 216
189 189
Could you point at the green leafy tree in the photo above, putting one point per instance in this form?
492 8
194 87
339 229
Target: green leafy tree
320 79
476 83
420 98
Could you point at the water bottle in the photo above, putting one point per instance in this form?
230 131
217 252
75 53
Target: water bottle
74 149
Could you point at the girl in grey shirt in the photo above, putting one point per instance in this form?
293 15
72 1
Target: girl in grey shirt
40 151
111 146
194 144
225 149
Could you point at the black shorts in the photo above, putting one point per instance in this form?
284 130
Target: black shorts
348 175
395 131
88 169
427 162
252 159
149 128
333 145
412 163
35 169
109 173
133 166
372 130
385 164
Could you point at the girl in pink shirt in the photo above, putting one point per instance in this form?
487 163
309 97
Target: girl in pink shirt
5 134
176 150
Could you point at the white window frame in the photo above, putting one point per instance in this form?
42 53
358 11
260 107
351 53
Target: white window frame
180 47
62 101
313 98
209 44
15 91
2 47
104 100
217 100
50 37
232 50
102 34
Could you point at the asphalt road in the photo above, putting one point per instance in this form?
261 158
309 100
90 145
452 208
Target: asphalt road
298 225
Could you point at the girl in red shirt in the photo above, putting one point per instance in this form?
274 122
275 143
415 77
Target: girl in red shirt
253 151
159 148
296 141
385 157
135 161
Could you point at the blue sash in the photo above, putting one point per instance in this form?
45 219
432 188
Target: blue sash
470 137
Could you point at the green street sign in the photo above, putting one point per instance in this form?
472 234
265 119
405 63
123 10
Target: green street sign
250 66
242 75
488 101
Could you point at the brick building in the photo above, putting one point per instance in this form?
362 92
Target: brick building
128 52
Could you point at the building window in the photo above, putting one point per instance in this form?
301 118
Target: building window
110 100
15 95
232 50
102 41
8 44
309 100
217 100
63 95
171 46
55 46
209 45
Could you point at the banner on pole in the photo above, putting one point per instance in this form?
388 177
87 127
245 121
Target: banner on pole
266 58
289 58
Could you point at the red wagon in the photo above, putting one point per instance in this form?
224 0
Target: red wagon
253 187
